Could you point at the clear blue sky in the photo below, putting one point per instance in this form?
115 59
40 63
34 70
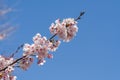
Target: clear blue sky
94 54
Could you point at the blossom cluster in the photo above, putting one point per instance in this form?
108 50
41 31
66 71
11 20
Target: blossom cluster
65 29
40 48
6 74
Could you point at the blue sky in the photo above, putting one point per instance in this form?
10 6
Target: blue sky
92 55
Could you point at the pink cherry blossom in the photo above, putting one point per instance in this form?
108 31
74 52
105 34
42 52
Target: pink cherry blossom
54 46
29 49
26 62
40 48
65 29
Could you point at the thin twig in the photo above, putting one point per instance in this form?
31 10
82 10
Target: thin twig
52 37
17 50
81 14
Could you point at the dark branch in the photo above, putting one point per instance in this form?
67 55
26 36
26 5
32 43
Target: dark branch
52 37
81 14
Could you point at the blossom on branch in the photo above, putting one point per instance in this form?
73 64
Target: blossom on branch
40 48
65 29
25 63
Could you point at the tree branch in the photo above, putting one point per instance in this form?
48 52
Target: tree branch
50 39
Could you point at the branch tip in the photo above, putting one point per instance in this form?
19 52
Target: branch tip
81 14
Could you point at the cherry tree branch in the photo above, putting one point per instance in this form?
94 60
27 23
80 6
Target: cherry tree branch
19 59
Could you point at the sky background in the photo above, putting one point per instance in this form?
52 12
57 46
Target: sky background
94 54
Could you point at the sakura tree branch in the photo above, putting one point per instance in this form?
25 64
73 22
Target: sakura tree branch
21 58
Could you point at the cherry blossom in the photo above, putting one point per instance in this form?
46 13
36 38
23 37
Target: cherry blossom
26 62
40 48
65 29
